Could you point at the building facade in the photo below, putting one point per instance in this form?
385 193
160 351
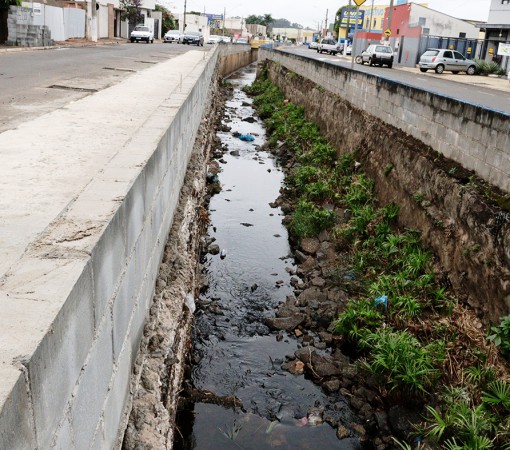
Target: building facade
497 33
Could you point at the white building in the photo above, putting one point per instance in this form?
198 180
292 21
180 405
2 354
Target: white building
436 23
497 33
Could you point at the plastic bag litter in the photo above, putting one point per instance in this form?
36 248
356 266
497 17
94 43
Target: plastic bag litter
189 301
382 300
246 137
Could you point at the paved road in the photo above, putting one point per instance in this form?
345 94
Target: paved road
33 83
474 92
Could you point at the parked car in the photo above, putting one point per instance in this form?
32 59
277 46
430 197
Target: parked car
444 59
330 46
141 33
193 38
214 39
313 45
242 41
172 36
376 54
348 50
226 39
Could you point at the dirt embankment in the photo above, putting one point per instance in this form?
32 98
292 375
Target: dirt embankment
159 368
464 221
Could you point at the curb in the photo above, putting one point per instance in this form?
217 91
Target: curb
60 46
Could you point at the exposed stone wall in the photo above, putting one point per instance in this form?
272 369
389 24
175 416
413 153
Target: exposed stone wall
475 137
470 236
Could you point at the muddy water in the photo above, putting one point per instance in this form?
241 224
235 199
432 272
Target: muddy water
234 353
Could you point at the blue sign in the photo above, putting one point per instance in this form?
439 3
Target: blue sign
354 19
215 20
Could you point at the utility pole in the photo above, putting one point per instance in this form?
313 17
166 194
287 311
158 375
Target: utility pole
224 15
390 15
326 23
184 19
371 17
348 24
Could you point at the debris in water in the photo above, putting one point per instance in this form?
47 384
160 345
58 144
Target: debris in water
250 119
254 287
223 254
245 224
246 137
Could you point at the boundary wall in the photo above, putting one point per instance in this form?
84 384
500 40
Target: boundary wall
100 194
475 137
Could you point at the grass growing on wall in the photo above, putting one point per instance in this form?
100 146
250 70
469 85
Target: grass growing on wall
413 335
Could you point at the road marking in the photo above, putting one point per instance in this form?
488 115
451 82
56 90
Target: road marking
421 79
486 93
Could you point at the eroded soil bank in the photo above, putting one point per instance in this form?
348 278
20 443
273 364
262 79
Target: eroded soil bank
458 215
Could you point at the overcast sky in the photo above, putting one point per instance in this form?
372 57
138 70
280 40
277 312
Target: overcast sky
311 12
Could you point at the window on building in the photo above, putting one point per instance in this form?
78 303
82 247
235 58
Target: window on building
505 2
426 31
375 23
398 30
462 35
422 21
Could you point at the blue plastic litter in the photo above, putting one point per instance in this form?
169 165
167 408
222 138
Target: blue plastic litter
382 300
246 137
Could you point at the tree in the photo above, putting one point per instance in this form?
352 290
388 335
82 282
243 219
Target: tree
132 11
264 20
4 12
168 22
253 19
338 16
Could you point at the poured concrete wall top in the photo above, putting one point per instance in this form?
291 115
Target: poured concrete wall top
88 196
475 137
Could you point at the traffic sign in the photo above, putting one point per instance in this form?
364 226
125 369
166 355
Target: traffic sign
387 32
359 2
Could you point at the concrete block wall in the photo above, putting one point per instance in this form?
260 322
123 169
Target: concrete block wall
23 32
476 138
74 304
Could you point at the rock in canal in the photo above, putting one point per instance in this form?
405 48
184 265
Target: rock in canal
285 323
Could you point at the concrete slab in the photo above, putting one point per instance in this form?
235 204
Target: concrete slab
49 161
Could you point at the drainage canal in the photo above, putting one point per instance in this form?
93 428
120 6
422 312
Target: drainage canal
236 394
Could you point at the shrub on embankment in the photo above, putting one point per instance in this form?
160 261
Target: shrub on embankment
404 325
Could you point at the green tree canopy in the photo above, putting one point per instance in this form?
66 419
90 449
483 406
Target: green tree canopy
4 4
132 11
264 20
168 22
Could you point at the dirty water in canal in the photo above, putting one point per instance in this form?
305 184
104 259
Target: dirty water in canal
243 398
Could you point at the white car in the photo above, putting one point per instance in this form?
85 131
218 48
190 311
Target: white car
329 45
214 39
313 45
141 33
348 50
173 36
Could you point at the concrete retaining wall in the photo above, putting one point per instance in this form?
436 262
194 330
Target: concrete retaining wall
77 285
476 138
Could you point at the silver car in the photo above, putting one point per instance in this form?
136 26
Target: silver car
173 36
444 59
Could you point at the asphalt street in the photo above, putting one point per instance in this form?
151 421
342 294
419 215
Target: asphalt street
33 83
